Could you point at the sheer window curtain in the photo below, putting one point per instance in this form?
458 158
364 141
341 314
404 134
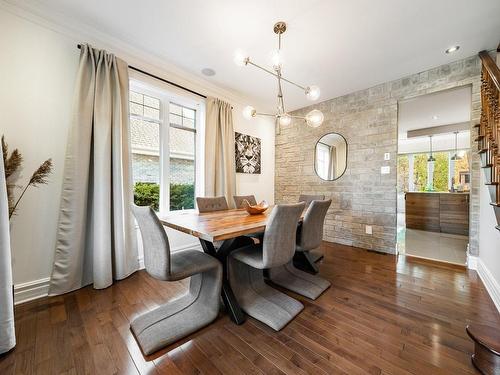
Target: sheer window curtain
332 162
220 170
96 240
7 333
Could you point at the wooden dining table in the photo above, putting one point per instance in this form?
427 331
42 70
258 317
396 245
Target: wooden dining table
220 232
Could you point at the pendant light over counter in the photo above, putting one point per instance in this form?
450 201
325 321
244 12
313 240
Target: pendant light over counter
456 156
431 158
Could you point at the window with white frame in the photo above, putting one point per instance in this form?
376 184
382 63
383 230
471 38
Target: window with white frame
322 160
164 130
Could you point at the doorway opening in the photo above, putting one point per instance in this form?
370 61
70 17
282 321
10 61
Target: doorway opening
433 175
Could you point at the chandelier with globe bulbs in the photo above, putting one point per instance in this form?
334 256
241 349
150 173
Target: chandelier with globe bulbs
314 118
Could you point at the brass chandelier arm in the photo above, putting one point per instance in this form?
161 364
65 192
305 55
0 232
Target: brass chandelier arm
248 61
275 115
265 114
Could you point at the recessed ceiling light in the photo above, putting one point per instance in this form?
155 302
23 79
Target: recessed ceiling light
435 117
452 49
208 72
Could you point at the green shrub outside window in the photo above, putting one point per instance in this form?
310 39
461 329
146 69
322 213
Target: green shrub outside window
148 194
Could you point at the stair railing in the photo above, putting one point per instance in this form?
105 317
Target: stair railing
489 126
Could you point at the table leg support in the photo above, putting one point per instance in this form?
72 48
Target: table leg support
303 261
228 297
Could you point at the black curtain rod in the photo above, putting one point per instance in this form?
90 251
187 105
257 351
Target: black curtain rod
161 79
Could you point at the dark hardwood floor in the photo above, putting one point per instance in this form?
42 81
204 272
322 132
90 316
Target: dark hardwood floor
382 315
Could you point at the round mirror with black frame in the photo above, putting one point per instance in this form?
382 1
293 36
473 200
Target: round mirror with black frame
330 156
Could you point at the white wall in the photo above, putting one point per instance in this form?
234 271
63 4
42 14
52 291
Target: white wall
261 185
489 245
37 75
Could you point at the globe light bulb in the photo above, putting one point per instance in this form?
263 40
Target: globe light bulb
312 92
249 112
314 118
240 58
285 119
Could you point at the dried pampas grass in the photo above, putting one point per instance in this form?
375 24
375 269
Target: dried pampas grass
12 164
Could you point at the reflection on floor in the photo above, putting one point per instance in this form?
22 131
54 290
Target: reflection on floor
444 247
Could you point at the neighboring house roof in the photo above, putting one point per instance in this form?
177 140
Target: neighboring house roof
145 140
144 135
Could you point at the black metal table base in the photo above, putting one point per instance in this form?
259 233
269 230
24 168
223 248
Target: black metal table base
303 261
222 253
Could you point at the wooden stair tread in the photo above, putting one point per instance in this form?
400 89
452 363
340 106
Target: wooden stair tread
491 183
487 166
477 125
498 227
478 138
495 204
487 336
482 151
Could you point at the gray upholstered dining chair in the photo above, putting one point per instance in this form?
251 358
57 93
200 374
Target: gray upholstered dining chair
246 266
308 198
316 254
238 200
309 237
209 204
197 308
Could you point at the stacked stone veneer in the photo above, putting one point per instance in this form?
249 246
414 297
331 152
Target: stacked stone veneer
368 121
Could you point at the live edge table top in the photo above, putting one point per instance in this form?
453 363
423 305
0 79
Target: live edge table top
216 225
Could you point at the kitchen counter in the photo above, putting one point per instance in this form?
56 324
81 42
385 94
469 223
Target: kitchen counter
438 211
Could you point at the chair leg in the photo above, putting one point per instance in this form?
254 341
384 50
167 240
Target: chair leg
300 282
182 316
303 261
258 299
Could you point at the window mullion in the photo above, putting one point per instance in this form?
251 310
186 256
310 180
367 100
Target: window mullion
164 157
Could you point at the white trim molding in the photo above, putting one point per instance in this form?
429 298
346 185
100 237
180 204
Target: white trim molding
489 282
31 290
471 261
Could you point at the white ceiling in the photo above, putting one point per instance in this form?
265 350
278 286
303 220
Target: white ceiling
436 109
449 106
342 46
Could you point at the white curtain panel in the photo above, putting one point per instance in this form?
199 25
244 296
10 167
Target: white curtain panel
7 333
96 240
220 169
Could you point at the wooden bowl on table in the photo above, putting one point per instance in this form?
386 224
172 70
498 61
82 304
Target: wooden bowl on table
256 209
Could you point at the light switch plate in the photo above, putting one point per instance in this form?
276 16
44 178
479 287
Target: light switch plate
385 169
387 156
368 229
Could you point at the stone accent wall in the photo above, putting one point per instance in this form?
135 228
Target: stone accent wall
368 121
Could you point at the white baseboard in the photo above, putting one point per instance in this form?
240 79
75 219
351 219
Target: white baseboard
31 290
489 282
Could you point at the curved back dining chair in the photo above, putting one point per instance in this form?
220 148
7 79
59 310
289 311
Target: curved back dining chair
314 255
174 320
210 204
310 236
256 298
238 200
311 230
